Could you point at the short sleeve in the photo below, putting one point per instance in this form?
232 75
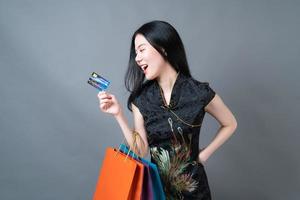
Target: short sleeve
209 93
141 99
138 104
206 93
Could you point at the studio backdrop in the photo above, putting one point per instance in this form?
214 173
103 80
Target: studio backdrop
53 136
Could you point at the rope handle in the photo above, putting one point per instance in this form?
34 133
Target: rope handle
131 149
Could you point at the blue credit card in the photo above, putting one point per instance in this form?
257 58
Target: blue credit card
98 81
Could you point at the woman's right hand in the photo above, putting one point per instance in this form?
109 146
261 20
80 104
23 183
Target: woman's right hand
108 103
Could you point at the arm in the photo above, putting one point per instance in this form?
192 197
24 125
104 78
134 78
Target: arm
109 104
228 125
142 143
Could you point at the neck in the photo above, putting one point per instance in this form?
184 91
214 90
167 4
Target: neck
167 79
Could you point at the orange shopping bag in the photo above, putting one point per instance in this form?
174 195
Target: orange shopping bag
120 178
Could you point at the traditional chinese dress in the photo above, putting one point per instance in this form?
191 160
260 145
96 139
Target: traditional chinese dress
173 135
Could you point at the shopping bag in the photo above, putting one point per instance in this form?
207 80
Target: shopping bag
120 177
147 191
157 188
158 192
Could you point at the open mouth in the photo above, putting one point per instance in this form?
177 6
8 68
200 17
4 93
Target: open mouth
144 67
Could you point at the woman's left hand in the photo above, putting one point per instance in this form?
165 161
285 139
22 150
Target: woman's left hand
202 157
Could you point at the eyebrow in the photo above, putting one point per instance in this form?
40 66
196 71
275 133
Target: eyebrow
140 45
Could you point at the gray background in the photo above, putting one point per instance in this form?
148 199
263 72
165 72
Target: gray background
53 136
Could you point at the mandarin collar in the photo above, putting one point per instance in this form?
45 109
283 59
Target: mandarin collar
175 93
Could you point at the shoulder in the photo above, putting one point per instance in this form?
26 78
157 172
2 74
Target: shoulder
142 94
198 85
145 89
202 89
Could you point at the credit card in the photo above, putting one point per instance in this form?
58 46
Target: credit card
98 81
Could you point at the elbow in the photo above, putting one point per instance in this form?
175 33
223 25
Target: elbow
230 126
234 125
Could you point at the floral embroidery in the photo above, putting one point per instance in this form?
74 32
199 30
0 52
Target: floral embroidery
172 162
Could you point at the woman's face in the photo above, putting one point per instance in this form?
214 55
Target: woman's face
148 58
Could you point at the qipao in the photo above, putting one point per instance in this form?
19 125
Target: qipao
173 135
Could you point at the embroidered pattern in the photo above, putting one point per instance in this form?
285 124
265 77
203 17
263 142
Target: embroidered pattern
172 165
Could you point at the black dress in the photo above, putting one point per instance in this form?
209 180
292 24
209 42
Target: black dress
173 135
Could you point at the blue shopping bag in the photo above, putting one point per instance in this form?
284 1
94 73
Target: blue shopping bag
156 181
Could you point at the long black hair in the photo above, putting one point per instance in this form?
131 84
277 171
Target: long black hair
165 39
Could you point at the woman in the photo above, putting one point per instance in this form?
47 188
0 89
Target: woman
168 107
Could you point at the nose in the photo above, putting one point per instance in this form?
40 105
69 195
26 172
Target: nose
138 58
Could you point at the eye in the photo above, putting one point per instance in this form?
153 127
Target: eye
140 50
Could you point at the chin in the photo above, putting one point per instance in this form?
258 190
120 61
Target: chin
150 77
